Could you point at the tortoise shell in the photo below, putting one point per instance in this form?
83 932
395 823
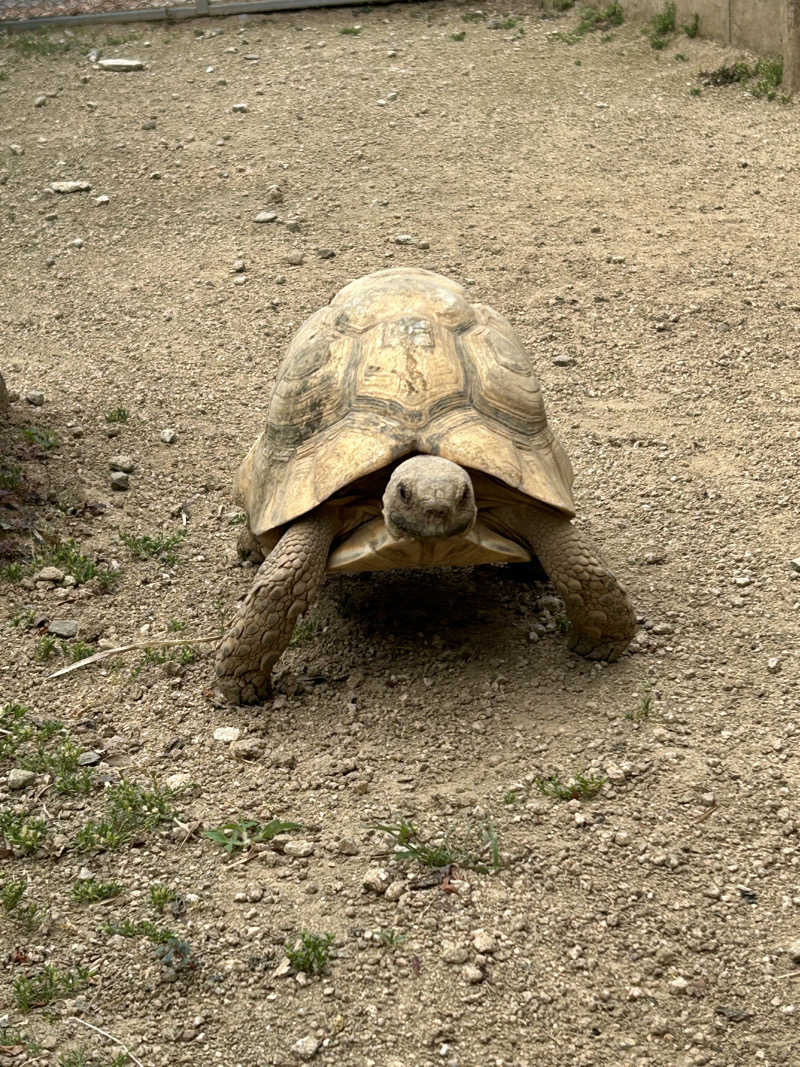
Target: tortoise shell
400 362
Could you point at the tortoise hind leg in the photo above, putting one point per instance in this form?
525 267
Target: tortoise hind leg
603 620
285 586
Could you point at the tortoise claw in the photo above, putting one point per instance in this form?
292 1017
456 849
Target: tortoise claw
596 648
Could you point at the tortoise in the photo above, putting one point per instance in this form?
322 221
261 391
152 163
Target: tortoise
406 428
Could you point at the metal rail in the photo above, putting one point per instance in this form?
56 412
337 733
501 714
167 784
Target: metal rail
199 9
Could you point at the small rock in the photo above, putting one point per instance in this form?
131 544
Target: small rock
40 101
284 968
89 758
35 398
305 1048
347 847
249 748
266 216
119 480
295 259
101 200
376 880
49 574
454 953
122 65
708 800
773 665
240 109
404 239
149 124
169 437
483 942
227 733
564 361
794 951
179 780
293 224
471 973
274 194
395 890
298 849
122 463
20 779
795 565
325 253
70 187
63 627
662 629
238 266
678 986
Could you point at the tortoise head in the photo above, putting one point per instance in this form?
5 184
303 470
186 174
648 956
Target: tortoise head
428 498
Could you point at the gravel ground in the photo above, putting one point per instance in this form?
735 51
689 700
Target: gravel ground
643 240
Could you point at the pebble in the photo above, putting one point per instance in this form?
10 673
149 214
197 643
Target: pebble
472 973
120 64
795 565
395 890
305 1048
238 266
293 224
101 200
119 480
454 953
483 942
266 216
122 463
275 194
298 849
63 627
295 259
49 574
564 361
347 847
20 779
35 398
376 880
227 733
70 187
169 437
678 986
325 253
240 109
794 951
40 101
179 780
250 748
773 665
404 239
89 758
662 629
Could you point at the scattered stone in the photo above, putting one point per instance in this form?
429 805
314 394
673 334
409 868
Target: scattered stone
169 437
249 748
40 101
240 109
295 259
662 629
149 124
63 627
238 266
284 968
101 200
35 398
795 565
773 665
20 779
472 973
395 890
484 942
275 194
122 463
305 1048
266 216
293 224
227 733
119 481
454 954
564 361
652 559
121 65
70 187
325 253
404 239
794 951
678 986
298 849
49 574
76 242
179 780
376 880
89 758
347 847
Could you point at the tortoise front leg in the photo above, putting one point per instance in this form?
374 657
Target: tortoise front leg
285 586
603 620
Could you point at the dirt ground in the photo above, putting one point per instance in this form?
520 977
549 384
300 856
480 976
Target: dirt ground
647 234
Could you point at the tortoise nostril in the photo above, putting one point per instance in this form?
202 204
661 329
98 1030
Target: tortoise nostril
437 511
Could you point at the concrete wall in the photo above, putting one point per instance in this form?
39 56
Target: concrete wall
757 25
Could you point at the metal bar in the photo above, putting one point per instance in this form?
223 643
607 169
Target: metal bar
181 11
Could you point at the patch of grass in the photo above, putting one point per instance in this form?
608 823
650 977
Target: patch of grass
762 78
310 953
174 626
159 935
594 19
45 647
692 27
160 546
350 31
62 764
303 631
11 893
107 580
23 834
160 896
131 810
458 36
238 834
511 797
43 439
392 938
118 415
79 650
24 620
473 16
40 43
662 26
74 1058
579 787
694 91
679 57
10 475
91 891
12 572
644 708
506 24
26 915
237 520
475 848
67 557
48 985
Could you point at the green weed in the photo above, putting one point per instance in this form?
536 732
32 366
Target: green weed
24 620
160 896
45 647
127 928
49 985
43 439
473 16
12 572
392 938
22 834
26 915
175 626
10 475
768 75
160 546
458 36
39 44
243 833
310 953
131 810
350 31
692 27
119 415
79 650
644 708
662 26
579 787
67 557
91 891
474 848
594 19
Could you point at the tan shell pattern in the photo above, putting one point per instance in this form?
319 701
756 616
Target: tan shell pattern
400 362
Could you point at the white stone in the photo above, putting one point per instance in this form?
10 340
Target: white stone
70 187
120 64
305 1048
227 733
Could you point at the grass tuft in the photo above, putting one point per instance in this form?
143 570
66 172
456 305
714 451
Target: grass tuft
310 953
91 891
579 787
131 811
474 848
239 834
160 546
48 985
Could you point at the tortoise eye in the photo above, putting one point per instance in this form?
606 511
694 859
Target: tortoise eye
405 493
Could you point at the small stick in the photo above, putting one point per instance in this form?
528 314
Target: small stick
128 648
105 1033
789 974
